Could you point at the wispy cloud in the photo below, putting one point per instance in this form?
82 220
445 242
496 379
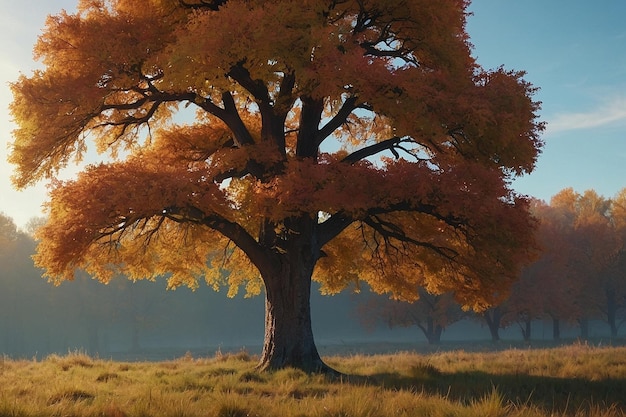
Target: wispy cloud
609 112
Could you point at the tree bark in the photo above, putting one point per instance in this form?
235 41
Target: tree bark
289 338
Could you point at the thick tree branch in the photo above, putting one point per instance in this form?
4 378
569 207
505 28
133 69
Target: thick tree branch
149 97
255 87
240 237
285 97
230 116
189 214
273 116
310 117
339 119
388 144
332 227
134 121
233 231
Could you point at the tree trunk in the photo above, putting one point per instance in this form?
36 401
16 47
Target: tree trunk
524 321
526 330
288 333
611 312
493 322
584 328
556 329
432 331
495 333
436 339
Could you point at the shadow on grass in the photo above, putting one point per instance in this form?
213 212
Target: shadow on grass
547 393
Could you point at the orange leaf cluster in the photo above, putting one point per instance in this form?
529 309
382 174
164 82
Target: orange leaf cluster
356 139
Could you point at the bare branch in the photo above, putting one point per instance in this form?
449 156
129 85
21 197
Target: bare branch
429 209
390 232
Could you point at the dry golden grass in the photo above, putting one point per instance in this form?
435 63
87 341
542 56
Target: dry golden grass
577 380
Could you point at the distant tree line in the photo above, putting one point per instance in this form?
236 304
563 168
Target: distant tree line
578 275
37 317
127 318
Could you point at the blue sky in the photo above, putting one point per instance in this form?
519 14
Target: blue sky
574 50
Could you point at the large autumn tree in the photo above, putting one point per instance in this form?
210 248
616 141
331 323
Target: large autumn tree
337 140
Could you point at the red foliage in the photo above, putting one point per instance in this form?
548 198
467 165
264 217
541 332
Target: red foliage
362 135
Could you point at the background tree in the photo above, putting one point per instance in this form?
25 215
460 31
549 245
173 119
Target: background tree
616 275
600 225
431 313
106 320
523 305
9 234
526 301
498 317
8 242
18 282
578 275
561 283
322 129
597 248
591 251
33 225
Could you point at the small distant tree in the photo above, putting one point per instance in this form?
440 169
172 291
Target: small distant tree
18 283
505 314
525 302
9 234
333 140
431 313
9 242
33 224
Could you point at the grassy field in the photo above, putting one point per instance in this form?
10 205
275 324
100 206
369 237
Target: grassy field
577 380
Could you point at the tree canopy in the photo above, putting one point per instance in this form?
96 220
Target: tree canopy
582 263
344 140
